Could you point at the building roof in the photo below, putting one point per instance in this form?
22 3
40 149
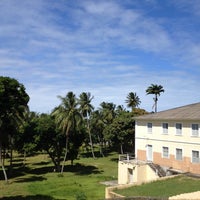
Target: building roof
188 112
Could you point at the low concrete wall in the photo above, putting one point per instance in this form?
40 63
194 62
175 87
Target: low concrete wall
109 194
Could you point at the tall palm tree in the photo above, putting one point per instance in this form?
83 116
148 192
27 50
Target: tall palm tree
108 112
132 100
67 117
97 126
86 109
156 90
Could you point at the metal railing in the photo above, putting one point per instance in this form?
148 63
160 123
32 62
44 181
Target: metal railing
127 157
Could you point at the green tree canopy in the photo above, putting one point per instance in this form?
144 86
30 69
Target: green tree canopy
86 109
13 104
156 90
132 100
67 118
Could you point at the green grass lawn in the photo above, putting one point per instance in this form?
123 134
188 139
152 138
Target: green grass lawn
165 188
38 181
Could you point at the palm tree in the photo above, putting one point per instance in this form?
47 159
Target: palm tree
108 112
156 90
97 126
67 117
132 100
86 109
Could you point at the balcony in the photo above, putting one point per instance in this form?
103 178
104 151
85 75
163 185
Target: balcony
130 158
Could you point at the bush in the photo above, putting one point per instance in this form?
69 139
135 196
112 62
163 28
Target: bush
81 196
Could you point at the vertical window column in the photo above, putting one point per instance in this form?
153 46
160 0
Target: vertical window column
149 127
165 128
179 154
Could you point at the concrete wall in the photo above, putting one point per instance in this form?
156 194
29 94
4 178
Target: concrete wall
141 173
109 194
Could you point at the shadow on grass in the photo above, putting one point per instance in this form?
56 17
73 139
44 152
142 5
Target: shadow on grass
114 159
42 170
30 179
36 197
42 163
80 169
20 172
88 154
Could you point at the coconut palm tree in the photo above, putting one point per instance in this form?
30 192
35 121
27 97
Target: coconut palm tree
132 100
67 117
86 109
156 90
108 112
97 127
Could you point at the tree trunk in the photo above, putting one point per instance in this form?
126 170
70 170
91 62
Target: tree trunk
121 148
100 146
156 100
91 144
2 165
11 156
24 160
66 150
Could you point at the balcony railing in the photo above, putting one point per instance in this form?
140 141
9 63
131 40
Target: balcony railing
130 158
127 157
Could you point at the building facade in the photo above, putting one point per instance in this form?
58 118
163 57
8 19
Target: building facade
169 139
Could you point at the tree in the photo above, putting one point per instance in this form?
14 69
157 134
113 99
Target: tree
156 90
132 100
67 117
49 139
97 127
86 109
13 104
108 112
121 132
25 138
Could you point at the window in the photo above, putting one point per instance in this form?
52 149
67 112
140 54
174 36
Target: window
195 130
149 127
165 128
165 151
179 154
195 156
178 129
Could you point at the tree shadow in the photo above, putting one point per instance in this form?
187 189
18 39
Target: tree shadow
30 179
42 163
114 159
19 171
31 197
42 170
80 169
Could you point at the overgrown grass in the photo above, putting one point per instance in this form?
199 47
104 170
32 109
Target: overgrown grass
165 188
38 181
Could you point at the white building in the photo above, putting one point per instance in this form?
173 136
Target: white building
167 141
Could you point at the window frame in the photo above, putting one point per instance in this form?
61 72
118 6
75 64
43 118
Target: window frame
177 155
149 129
165 129
193 159
195 132
164 155
179 130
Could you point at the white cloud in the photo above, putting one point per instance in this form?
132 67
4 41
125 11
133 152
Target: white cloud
108 48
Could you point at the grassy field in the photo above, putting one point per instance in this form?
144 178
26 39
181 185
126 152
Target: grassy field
38 181
165 188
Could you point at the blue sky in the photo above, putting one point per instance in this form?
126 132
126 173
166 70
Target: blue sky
106 47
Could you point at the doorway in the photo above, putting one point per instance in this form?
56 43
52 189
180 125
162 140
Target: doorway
149 153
